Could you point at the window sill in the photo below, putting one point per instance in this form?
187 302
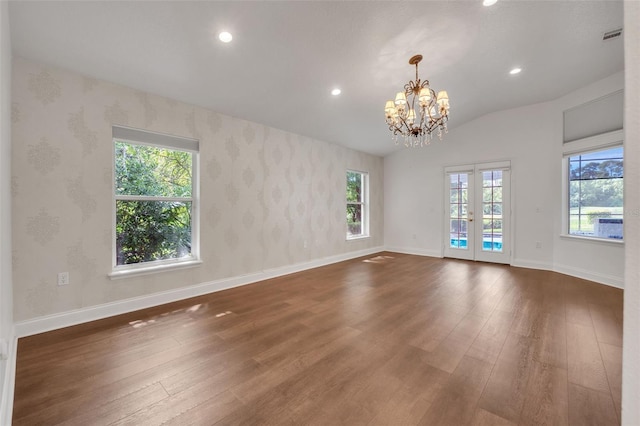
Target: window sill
359 237
147 270
592 239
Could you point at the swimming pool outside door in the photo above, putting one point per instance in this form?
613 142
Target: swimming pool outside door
478 212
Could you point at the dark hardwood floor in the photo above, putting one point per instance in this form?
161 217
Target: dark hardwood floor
389 339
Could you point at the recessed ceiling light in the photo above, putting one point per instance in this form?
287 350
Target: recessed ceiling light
515 71
336 92
225 37
489 2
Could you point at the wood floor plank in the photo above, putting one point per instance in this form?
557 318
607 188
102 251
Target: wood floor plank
612 358
209 412
590 407
120 408
576 304
387 339
606 324
485 418
451 350
584 361
456 403
102 413
488 344
290 366
550 346
172 406
505 394
546 400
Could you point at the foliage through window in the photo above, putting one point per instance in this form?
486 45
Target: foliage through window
357 209
596 193
154 203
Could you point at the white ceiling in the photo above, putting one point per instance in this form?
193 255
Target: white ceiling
287 56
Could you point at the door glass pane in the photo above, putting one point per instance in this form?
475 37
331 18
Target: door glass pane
492 211
497 194
486 195
458 211
486 179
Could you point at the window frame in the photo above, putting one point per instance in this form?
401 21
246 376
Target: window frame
364 203
177 143
583 146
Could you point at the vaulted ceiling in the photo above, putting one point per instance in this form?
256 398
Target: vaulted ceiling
286 57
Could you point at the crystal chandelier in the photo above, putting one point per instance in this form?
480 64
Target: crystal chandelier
417 112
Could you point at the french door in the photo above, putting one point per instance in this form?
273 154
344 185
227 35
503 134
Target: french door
478 212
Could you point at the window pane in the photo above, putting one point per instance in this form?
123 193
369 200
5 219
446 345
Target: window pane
152 230
497 178
490 210
497 194
458 233
486 195
604 164
152 171
454 210
487 179
354 220
596 188
354 187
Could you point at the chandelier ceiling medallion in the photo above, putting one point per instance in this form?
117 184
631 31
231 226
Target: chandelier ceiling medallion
417 112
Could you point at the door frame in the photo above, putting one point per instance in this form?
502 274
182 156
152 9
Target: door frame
475 169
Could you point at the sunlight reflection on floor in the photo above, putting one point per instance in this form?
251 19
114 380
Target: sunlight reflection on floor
378 259
192 311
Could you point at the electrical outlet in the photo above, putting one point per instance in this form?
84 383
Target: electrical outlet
63 278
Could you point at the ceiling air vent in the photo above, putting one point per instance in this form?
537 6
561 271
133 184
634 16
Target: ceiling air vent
612 34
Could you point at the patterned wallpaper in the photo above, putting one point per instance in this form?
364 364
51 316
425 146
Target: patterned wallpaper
264 192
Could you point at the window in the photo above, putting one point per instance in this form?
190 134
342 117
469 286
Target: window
596 193
357 207
156 204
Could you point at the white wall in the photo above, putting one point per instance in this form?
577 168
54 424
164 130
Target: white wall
531 138
598 261
269 198
6 297
631 342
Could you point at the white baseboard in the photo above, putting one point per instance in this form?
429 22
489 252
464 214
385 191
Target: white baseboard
6 405
532 264
92 313
605 279
415 250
